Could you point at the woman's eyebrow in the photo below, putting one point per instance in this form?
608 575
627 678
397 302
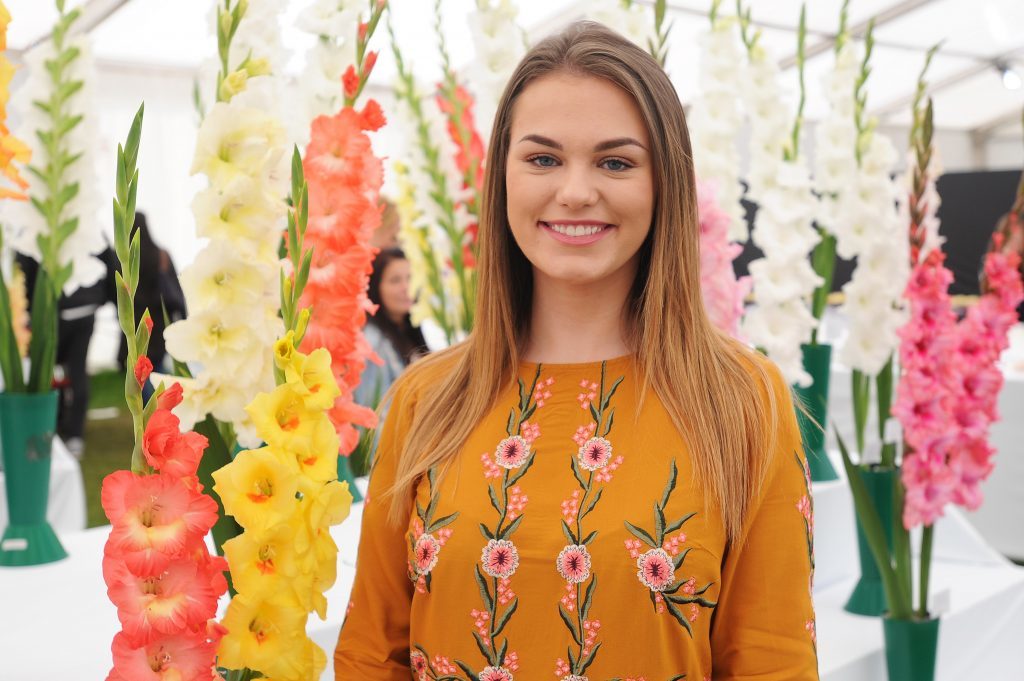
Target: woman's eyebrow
602 146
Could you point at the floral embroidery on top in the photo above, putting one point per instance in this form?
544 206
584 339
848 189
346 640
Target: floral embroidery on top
426 547
805 506
656 567
499 558
574 562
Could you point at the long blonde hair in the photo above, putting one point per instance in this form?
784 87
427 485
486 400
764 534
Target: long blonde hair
712 387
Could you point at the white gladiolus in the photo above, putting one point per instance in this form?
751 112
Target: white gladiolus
499 43
783 229
232 286
22 222
716 120
335 23
635 22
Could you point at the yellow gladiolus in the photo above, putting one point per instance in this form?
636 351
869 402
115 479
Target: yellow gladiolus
309 375
266 631
233 84
258 488
263 561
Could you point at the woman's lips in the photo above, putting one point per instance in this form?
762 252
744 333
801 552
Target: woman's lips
576 233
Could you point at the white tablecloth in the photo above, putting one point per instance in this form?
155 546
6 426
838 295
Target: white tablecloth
66 510
63 606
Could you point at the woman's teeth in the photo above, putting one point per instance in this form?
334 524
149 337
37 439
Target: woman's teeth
575 230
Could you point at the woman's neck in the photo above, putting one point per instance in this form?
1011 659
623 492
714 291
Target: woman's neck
573 323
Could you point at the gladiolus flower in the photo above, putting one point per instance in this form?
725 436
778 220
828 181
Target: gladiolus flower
350 81
154 517
169 450
258 488
143 368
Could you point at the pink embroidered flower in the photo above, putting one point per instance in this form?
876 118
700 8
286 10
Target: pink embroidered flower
657 571
418 662
804 506
512 452
571 506
574 563
672 545
588 395
426 551
444 666
443 535
574 677
495 674
516 502
512 661
500 558
605 474
530 431
595 453
590 631
480 620
491 469
633 546
505 594
569 598
561 668
541 394
811 629
584 433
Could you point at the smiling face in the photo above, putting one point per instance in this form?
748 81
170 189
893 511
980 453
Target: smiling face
579 180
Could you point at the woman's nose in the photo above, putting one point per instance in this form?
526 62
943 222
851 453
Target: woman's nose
577 188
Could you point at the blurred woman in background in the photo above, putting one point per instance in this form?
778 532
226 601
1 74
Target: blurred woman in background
390 331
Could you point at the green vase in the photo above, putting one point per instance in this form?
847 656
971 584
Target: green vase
27 425
817 362
345 474
868 597
911 647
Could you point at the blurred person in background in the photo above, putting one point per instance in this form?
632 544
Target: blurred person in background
76 321
158 289
390 331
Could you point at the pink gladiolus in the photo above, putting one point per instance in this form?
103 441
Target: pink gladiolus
723 292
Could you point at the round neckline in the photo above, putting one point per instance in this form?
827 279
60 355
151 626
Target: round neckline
619 361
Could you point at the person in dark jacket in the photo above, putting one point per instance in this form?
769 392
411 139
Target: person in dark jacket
75 324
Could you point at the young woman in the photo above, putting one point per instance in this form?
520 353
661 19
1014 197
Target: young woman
390 331
597 483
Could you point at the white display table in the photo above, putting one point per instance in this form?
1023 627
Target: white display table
66 510
980 635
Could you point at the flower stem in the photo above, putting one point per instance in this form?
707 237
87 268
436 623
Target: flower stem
927 535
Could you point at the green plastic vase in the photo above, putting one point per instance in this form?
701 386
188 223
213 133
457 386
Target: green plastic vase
911 647
27 425
868 597
817 362
345 474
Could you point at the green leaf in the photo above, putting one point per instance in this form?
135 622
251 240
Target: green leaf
577 473
679 523
671 485
484 650
592 503
640 534
466 670
659 524
500 659
570 625
503 620
486 532
589 538
675 612
510 428
588 597
511 528
594 414
494 500
216 457
589 659
567 531
608 424
608 397
441 522
485 593
678 560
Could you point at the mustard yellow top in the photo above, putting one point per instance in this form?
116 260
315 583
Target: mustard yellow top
569 542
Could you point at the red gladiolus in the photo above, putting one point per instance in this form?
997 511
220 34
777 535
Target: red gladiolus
170 398
170 451
143 368
368 64
350 81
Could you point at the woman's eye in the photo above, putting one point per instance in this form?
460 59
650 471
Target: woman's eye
543 161
616 165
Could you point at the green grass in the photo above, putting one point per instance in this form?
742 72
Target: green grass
108 442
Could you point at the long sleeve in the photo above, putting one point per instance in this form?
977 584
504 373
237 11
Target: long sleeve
763 627
374 640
